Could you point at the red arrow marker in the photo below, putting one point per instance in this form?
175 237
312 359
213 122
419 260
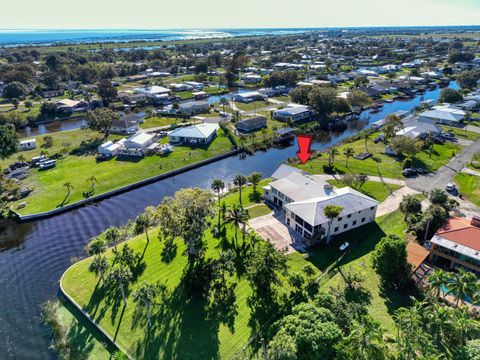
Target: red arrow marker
304 143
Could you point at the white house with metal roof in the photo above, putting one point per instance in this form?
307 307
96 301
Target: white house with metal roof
304 197
196 134
294 112
443 115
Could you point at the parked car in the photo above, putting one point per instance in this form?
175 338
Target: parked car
421 171
451 188
409 172
47 164
438 140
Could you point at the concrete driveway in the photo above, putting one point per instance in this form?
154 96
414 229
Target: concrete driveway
392 202
271 227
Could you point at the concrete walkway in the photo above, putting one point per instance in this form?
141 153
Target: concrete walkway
326 177
473 128
392 202
470 171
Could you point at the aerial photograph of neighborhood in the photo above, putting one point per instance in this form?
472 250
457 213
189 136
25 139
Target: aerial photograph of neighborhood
267 180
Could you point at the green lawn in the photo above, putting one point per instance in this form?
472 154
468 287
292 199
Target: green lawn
253 105
460 133
73 138
380 164
469 185
49 191
363 240
182 328
156 121
258 210
377 190
248 195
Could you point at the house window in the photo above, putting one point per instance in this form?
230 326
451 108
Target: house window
340 218
345 226
354 222
371 208
336 229
349 216
363 219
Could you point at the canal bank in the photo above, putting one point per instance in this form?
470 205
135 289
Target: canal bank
34 255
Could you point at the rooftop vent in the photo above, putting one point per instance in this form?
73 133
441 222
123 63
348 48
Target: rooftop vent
328 187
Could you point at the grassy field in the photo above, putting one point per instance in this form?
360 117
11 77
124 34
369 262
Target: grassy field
258 210
251 106
182 328
377 190
469 185
460 133
249 197
380 164
49 191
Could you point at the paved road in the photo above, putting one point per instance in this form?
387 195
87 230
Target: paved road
446 173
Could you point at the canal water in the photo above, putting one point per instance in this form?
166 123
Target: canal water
34 255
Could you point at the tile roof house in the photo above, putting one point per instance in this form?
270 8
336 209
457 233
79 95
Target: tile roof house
457 244
304 197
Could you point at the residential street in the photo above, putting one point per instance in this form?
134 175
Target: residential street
446 174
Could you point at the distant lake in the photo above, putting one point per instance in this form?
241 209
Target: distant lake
46 37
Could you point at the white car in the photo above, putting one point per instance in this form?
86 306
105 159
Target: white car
344 246
450 187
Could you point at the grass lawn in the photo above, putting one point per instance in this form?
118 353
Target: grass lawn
460 133
253 105
73 138
258 210
248 195
49 191
363 240
469 185
379 164
182 327
377 190
157 121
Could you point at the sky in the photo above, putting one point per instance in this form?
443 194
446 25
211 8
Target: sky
167 14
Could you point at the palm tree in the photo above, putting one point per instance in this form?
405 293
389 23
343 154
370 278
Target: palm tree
366 137
331 212
218 185
175 107
146 294
112 236
96 246
223 101
121 276
438 280
255 179
239 180
146 219
365 341
331 156
463 284
93 181
99 266
237 215
348 153
69 188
